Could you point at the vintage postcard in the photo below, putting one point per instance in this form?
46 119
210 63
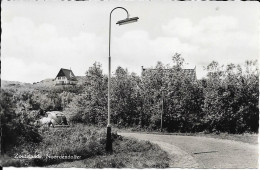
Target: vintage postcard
129 84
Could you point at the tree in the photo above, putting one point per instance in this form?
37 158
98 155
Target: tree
90 106
124 98
229 95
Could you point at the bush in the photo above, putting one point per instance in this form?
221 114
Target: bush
17 128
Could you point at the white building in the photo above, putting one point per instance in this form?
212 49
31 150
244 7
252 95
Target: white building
65 77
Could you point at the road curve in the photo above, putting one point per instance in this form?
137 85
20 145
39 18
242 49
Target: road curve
203 152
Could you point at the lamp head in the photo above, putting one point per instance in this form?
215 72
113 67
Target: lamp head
127 21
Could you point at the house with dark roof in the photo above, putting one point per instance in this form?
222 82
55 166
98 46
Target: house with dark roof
191 73
65 77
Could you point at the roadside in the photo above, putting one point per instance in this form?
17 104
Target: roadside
84 146
245 138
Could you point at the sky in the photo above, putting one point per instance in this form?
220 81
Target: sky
40 37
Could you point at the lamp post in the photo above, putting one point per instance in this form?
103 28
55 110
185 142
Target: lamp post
121 22
163 96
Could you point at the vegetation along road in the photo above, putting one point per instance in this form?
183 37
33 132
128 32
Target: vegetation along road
203 152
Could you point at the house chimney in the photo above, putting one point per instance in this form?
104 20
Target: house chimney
143 68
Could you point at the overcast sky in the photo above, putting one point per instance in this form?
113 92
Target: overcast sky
40 37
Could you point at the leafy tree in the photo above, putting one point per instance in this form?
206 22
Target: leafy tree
124 98
231 98
90 106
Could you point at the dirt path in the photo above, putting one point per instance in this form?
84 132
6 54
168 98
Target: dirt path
202 152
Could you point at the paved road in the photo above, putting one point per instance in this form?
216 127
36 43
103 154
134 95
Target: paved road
203 152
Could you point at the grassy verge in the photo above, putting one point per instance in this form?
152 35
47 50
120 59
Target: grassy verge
246 137
128 153
87 147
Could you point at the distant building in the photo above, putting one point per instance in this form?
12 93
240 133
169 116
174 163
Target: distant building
191 73
65 77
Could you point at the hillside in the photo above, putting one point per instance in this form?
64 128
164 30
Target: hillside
51 82
46 82
5 83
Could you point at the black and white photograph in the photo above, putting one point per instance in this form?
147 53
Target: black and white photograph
129 84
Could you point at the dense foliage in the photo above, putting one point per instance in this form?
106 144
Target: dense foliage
89 107
16 124
21 106
231 98
226 100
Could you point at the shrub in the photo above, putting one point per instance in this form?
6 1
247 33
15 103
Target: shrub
17 128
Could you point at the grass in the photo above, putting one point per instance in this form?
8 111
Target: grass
128 153
88 143
245 138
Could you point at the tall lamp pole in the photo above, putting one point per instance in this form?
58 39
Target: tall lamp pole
163 96
121 22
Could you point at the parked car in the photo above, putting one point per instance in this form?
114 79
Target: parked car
54 118
57 117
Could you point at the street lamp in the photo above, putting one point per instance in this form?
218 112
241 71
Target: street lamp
163 96
127 21
121 22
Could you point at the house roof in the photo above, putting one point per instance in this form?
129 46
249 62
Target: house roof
191 73
67 73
